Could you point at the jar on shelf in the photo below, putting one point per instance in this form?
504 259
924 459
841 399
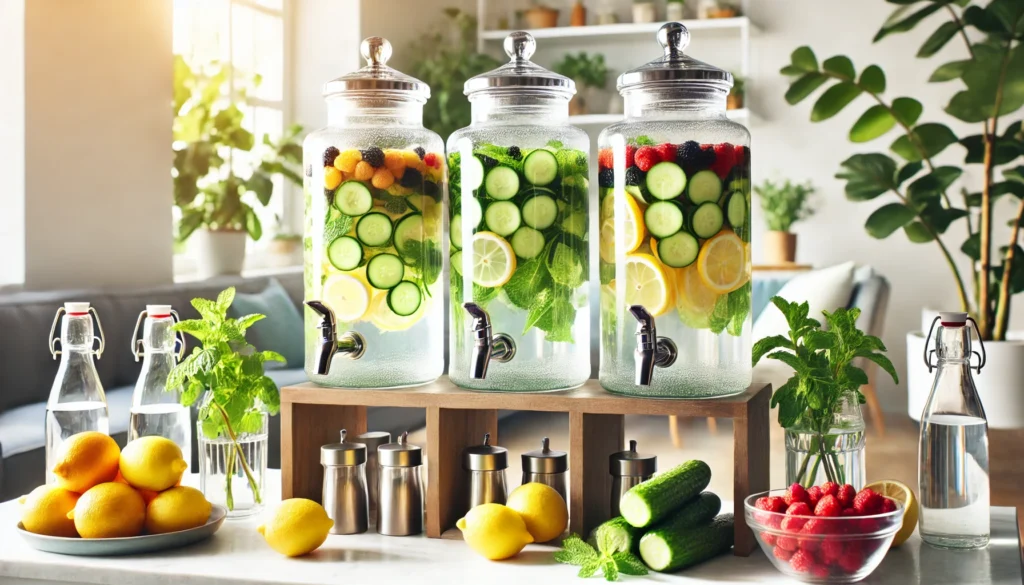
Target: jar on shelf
374 190
674 217
519 232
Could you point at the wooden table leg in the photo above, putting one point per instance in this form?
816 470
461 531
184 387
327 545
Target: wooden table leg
751 464
304 429
449 431
592 438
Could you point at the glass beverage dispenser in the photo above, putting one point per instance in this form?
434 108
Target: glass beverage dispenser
374 188
674 233
519 252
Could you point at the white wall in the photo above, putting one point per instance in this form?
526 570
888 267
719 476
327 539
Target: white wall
12 141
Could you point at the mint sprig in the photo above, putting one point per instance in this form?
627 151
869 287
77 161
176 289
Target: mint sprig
576 551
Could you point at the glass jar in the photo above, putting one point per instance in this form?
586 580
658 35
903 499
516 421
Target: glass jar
233 466
519 232
812 458
374 188
674 201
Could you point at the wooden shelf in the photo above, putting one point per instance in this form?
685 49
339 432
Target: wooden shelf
622 29
787 267
741 114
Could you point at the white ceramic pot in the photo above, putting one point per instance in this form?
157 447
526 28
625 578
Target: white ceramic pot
218 253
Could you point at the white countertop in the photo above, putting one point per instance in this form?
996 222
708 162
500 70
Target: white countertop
237 555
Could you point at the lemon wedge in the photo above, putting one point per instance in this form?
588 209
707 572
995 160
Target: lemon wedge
347 296
902 493
722 263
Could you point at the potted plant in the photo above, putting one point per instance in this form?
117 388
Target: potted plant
924 198
783 205
674 9
540 16
737 94
644 11
588 71
820 405
215 190
225 375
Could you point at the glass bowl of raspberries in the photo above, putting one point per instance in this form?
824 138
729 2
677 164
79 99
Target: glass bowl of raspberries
824 534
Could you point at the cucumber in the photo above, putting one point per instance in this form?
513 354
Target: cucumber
706 220
385 271
621 535
540 212
736 209
527 242
704 186
647 503
455 231
345 253
694 513
353 198
502 183
455 261
409 228
405 298
678 250
665 180
637 194
374 229
575 223
503 218
667 551
472 172
419 202
663 218
540 167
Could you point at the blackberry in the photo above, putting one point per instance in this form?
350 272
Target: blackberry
412 178
515 153
708 158
329 195
688 154
488 162
432 190
634 176
606 178
420 152
329 155
374 156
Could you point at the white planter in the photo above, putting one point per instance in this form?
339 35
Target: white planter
218 253
999 383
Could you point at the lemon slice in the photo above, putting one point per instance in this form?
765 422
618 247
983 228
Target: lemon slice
694 300
494 262
722 263
902 493
381 315
347 296
634 231
647 284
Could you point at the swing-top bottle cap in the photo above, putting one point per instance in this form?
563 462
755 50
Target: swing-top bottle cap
158 311
76 308
952 318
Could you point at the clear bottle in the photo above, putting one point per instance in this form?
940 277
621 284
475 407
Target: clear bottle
77 402
953 464
156 409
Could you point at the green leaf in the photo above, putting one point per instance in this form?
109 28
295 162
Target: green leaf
908 171
337 227
1004 150
271 356
867 176
983 78
262 186
855 375
224 300
250 422
887 219
883 362
628 564
984 20
790 360
872 79
245 322
610 570
900 22
644 141
841 66
575 551
1016 174
803 58
939 217
564 264
208 310
907 110
834 100
875 122
949 71
766 344
804 86
928 140
191 392
1010 13
817 339
938 39
589 568
791 71
934 184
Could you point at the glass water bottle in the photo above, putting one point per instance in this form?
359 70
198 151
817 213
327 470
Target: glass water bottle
77 402
953 466
157 409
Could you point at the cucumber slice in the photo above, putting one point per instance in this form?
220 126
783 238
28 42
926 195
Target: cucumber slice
706 220
575 223
385 271
471 210
455 261
502 218
409 228
374 229
527 242
540 212
472 172
345 253
666 180
540 167
678 250
353 198
736 209
455 231
704 186
405 298
502 183
663 218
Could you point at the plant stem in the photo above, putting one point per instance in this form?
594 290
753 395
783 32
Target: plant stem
229 472
997 330
1003 304
803 468
963 30
241 456
814 472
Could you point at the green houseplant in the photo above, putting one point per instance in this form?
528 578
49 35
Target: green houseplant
588 71
738 94
783 204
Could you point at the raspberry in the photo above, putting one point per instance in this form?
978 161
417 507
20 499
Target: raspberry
778 504
815 526
329 155
725 159
793 523
768 538
801 561
814 494
820 571
787 543
810 544
432 160
666 151
420 152
646 157
867 502
634 176
515 153
888 505
604 158
828 506
374 156
606 178
382 178
782 554
630 155
796 493
363 171
851 561
846 493
830 488
831 551
762 504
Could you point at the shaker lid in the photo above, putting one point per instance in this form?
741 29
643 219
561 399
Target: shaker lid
373 440
376 75
343 453
673 66
400 454
544 460
520 72
485 457
632 463
952 318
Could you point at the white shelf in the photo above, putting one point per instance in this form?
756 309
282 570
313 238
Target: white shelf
606 119
621 29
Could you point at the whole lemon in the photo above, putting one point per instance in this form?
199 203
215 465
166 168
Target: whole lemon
494 531
542 508
178 508
84 460
109 510
298 526
152 463
45 511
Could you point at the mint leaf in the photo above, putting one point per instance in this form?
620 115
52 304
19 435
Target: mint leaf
589 568
500 154
610 569
337 227
540 307
565 262
529 279
628 564
394 204
739 308
571 162
719 318
558 320
555 144
575 552
644 141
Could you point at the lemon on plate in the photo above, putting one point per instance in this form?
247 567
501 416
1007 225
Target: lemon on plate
722 263
297 527
494 262
542 508
109 510
647 283
86 459
347 296
494 531
178 508
152 463
902 493
45 511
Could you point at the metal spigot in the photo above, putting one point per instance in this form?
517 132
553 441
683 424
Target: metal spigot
350 344
651 350
500 347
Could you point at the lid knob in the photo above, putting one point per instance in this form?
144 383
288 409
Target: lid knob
520 45
674 38
343 433
403 439
376 51
487 439
545 445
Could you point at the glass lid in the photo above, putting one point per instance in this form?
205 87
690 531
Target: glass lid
674 66
376 75
520 72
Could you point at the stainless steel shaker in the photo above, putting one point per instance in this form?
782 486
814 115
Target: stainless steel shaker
486 465
373 440
628 468
345 495
400 511
547 467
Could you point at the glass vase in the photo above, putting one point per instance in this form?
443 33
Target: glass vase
813 458
233 469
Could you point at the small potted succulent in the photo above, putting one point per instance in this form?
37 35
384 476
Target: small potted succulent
590 74
737 94
783 205
540 16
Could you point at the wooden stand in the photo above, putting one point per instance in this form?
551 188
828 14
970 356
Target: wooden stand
457 418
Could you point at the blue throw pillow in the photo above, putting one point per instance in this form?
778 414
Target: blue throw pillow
281 331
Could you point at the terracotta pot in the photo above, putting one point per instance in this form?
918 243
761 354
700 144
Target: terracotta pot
541 17
577 106
579 15
722 13
779 247
734 101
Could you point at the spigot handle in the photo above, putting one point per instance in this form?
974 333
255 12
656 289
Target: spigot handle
326 314
651 351
646 330
481 320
